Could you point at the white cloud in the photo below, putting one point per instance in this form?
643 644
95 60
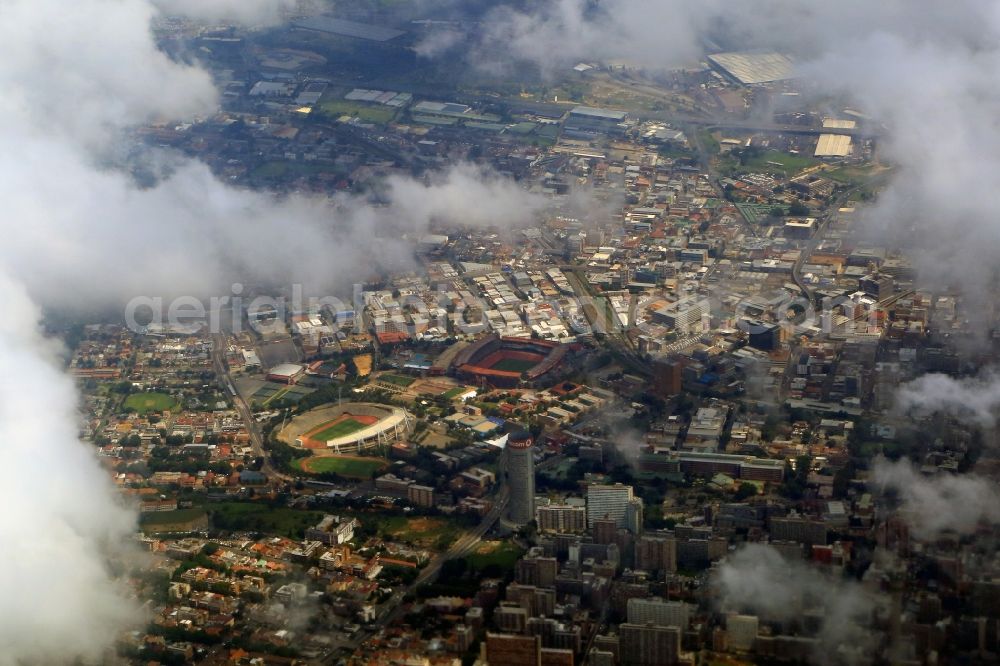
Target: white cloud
758 580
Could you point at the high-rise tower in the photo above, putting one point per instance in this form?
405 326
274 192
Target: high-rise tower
521 478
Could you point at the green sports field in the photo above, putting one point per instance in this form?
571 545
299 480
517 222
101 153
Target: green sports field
338 429
348 466
514 365
144 403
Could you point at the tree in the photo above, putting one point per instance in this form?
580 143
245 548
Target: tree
770 428
842 481
745 491
798 208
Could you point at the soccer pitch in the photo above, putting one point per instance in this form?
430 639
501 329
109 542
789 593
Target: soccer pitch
514 365
340 428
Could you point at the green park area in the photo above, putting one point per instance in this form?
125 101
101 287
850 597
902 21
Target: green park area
494 555
434 532
145 403
262 517
709 141
397 380
279 169
180 520
757 160
852 175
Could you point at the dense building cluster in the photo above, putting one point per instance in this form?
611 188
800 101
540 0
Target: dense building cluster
651 423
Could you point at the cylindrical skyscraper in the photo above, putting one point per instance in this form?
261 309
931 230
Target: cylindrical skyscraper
520 478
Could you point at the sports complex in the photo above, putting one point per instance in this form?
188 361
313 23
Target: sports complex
350 427
508 362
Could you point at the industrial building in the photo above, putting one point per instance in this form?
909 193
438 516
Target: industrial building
834 145
587 122
753 68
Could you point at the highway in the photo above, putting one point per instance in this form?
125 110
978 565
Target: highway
821 223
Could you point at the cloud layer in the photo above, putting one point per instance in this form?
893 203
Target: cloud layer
758 580
249 12
80 234
61 518
934 505
977 397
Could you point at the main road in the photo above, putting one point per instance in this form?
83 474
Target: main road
465 545
219 346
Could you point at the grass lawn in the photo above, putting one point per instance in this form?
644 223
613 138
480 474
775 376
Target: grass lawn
143 403
170 517
502 554
292 394
423 531
451 394
851 175
355 468
277 169
772 160
371 113
261 517
397 380
268 390
709 141
514 365
338 429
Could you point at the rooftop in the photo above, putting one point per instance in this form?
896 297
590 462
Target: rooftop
751 68
605 114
